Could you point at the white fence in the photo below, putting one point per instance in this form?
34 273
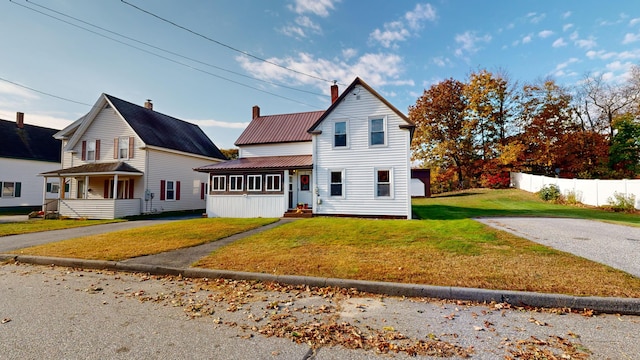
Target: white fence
590 192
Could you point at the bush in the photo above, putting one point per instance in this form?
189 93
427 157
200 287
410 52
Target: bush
622 202
572 198
499 180
550 192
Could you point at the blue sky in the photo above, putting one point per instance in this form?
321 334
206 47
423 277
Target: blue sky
398 47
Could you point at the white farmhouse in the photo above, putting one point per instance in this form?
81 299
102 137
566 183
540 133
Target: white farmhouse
123 159
352 159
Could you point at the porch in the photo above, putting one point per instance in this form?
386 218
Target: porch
99 208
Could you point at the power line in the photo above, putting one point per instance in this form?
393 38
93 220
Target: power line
171 52
225 45
164 57
44 93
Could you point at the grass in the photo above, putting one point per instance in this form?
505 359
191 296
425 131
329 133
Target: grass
447 249
31 226
146 240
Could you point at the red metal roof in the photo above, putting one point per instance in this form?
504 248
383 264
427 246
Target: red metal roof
262 163
279 128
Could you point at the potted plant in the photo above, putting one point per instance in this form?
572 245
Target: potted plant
300 205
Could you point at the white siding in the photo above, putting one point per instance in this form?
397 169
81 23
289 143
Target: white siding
360 161
25 172
249 206
285 149
174 167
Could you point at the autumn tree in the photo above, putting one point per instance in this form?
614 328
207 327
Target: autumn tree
443 135
230 154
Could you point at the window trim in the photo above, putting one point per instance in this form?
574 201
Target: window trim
276 181
342 183
384 130
376 183
123 140
89 142
221 179
252 186
346 134
233 183
13 189
166 190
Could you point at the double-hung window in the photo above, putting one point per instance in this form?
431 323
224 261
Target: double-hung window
254 182
91 151
10 189
273 182
340 134
383 183
218 183
170 192
377 135
337 183
123 148
235 183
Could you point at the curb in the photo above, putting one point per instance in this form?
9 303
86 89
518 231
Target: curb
610 305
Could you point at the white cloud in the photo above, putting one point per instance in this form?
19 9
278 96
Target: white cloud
293 31
15 90
630 38
349 53
566 14
306 22
51 121
567 63
316 7
535 18
527 39
468 42
545 33
566 27
574 36
559 43
441 61
634 21
379 69
586 43
396 31
218 123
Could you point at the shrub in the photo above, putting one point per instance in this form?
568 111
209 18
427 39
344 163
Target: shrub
499 180
572 198
622 202
550 192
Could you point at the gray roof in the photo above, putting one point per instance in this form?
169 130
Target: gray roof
95 168
29 142
157 129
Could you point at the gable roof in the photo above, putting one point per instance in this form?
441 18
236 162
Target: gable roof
29 142
279 128
157 129
410 125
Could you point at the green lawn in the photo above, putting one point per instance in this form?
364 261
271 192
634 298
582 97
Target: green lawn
37 225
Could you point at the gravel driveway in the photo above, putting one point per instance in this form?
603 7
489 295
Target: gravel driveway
615 245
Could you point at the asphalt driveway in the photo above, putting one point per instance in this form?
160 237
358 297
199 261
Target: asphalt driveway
614 245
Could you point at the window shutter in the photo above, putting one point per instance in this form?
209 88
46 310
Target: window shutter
84 150
177 190
106 189
130 147
162 189
130 188
202 187
115 148
97 150
17 189
66 188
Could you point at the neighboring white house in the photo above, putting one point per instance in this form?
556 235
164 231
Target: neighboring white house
123 159
25 151
351 160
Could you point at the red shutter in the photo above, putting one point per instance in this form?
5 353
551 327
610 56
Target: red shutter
202 185
115 148
177 190
130 188
162 188
106 189
97 149
84 150
131 147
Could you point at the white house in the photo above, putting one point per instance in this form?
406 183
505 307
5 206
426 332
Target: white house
352 159
25 151
122 159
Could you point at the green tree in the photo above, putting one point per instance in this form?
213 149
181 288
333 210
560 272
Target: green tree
624 154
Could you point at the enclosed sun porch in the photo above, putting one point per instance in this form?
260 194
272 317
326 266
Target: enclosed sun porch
97 191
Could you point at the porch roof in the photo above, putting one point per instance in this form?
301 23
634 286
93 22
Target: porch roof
111 168
261 163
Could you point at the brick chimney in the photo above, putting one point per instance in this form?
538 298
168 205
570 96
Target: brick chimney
20 120
256 112
334 92
148 104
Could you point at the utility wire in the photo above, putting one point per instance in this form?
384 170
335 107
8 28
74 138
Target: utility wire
164 57
171 52
44 93
225 45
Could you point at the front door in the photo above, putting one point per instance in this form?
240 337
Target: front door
305 195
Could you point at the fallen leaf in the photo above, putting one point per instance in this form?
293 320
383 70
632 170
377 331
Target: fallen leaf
5 320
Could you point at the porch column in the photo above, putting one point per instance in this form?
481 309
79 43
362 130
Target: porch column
115 186
61 187
86 187
44 195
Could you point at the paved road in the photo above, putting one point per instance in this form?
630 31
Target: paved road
615 245
60 313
